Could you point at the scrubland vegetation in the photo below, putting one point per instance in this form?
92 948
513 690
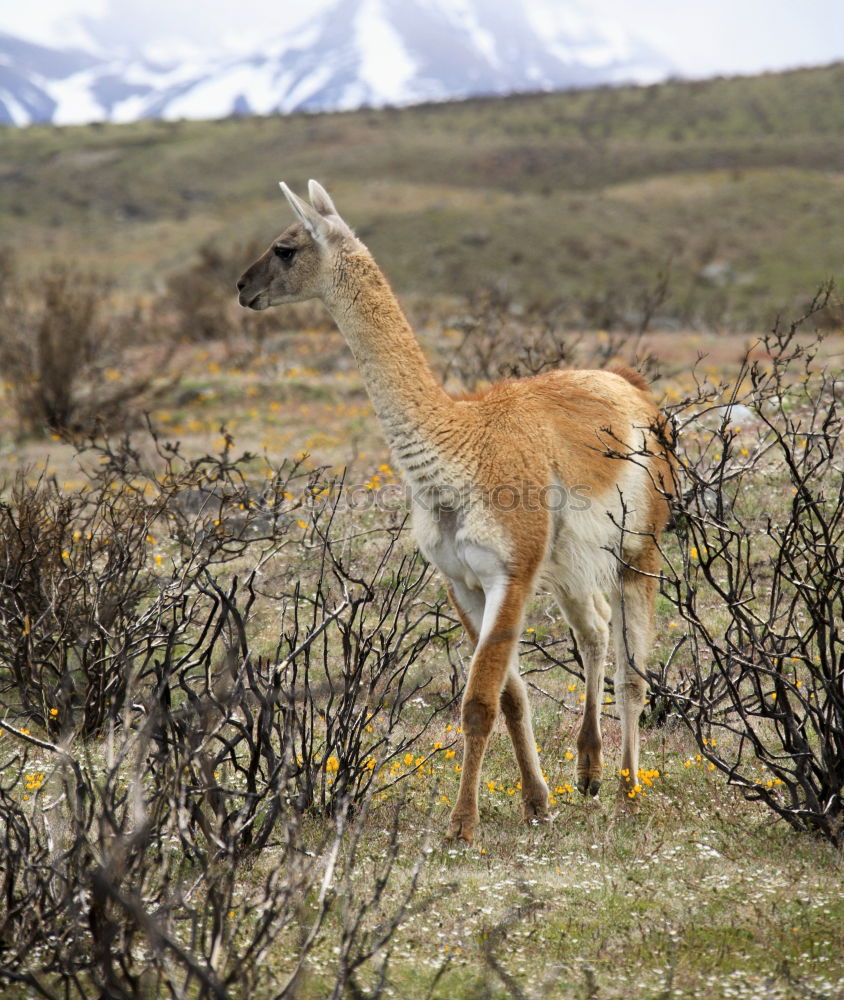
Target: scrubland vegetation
229 687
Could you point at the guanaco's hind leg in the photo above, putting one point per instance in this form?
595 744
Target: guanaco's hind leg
632 615
588 618
516 709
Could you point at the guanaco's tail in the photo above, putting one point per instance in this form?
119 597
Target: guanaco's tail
632 376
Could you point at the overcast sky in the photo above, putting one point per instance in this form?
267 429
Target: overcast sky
717 36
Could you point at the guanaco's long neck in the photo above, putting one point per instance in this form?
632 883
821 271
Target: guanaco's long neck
410 403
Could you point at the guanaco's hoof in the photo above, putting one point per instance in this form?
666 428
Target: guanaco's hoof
590 768
588 786
534 809
461 832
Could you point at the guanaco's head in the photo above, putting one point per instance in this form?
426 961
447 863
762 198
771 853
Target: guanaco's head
301 263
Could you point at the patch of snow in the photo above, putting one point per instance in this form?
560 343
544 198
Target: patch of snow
74 97
130 109
574 34
637 72
217 96
610 46
17 112
737 414
354 96
385 66
535 73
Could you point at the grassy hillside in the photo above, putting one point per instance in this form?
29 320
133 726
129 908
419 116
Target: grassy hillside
735 187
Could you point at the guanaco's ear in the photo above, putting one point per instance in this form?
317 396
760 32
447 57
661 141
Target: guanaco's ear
320 219
320 199
308 216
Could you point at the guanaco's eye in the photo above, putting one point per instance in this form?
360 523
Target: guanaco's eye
285 253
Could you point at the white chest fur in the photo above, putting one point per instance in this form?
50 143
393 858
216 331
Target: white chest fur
458 541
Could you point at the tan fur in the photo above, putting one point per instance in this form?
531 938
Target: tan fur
634 377
555 480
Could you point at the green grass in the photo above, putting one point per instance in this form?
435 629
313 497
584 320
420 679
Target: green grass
694 894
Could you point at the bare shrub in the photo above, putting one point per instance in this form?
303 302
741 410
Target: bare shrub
64 361
502 340
201 296
99 900
66 643
156 755
763 531
629 308
364 947
369 627
86 597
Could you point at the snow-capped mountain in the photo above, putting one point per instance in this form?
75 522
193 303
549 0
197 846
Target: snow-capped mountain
354 53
